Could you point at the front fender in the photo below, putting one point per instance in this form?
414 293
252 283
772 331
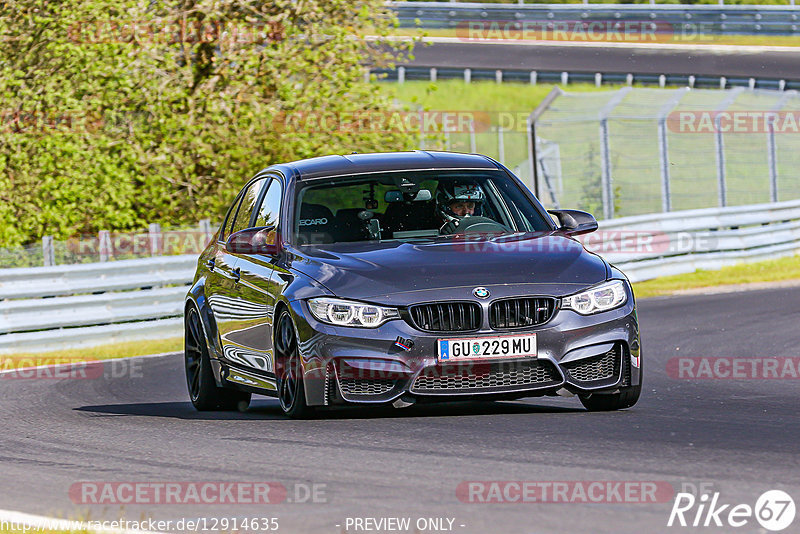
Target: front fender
197 297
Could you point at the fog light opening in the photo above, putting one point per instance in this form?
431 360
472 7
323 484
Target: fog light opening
404 402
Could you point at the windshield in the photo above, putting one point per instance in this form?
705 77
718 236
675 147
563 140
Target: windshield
412 206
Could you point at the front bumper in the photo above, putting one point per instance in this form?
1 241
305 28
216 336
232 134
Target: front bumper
582 354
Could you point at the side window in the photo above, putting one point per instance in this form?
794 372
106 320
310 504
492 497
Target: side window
270 212
226 228
245 209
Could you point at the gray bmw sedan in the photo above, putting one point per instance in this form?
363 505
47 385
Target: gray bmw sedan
399 278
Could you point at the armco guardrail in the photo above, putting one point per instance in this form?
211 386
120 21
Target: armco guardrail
686 19
662 244
407 72
47 308
30 282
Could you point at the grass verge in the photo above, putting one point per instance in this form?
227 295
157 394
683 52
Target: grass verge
781 269
485 95
100 352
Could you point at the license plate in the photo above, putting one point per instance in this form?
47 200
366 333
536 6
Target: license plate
486 348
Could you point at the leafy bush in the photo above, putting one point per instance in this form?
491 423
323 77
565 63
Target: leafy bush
120 113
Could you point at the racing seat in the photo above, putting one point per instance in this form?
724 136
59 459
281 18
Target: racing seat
317 225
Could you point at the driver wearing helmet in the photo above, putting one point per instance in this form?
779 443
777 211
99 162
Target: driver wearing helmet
455 201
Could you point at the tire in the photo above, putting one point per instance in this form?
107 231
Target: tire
203 390
289 369
626 398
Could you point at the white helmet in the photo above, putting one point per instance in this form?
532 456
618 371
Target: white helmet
447 193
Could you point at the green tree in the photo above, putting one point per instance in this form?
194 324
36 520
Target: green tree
120 113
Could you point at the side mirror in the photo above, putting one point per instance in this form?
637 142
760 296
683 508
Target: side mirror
575 222
261 240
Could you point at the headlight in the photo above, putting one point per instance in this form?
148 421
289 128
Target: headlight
348 313
598 299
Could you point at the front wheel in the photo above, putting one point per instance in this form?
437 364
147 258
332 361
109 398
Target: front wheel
289 369
626 398
203 390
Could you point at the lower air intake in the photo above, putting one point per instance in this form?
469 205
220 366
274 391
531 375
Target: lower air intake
365 386
486 377
600 367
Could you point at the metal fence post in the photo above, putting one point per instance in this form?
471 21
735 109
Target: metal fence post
719 143
531 124
446 129
422 143
104 245
663 148
663 154
772 161
719 151
501 145
154 235
48 251
772 148
605 171
473 142
205 229
401 74
605 153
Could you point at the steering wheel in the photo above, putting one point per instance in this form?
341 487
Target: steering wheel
466 225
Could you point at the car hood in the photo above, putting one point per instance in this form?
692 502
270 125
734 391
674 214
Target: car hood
383 272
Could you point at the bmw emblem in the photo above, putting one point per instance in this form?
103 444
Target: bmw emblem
481 292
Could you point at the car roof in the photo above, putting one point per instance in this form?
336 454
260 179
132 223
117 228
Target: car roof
326 166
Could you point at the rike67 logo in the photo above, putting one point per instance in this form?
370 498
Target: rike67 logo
774 510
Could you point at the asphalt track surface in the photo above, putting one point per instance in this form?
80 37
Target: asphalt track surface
740 436
685 60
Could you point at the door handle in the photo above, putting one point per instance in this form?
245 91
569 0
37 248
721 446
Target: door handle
211 264
237 274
